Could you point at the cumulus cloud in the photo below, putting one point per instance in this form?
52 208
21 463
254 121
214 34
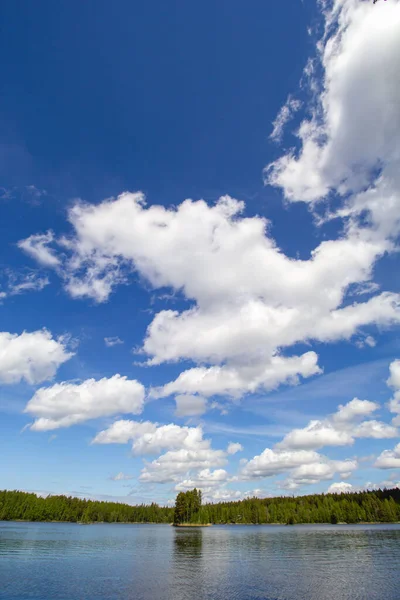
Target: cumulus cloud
355 123
124 431
340 428
305 467
394 382
187 455
239 380
340 488
234 448
249 302
150 438
241 318
389 459
323 470
274 462
189 405
170 467
205 479
65 404
31 356
394 379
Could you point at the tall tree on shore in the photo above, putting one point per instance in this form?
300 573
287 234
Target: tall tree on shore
187 507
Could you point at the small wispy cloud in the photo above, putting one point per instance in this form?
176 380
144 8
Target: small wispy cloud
284 115
112 341
20 283
121 477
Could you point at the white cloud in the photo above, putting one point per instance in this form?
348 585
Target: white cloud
316 435
33 357
340 488
324 469
65 404
188 456
19 283
394 379
355 125
171 466
37 246
112 341
236 381
394 382
151 438
305 467
234 448
241 318
121 477
340 428
273 462
376 430
204 480
389 459
124 431
189 405
354 409
284 115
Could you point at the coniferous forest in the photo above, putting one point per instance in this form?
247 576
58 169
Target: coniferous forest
373 506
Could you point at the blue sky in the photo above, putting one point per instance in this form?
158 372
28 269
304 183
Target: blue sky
199 234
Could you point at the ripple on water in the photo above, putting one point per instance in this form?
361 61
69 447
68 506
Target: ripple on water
43 561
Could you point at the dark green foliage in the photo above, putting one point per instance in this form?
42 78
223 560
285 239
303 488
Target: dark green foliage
28 507
187 507
377 506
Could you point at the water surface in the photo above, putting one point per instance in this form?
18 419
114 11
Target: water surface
46 561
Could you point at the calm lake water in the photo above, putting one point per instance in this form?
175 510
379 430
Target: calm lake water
42 561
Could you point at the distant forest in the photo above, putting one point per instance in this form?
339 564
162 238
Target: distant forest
374 506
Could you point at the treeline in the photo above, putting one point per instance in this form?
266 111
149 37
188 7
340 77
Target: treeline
29 507
188 507
375 506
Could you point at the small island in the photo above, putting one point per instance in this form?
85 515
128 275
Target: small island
188 510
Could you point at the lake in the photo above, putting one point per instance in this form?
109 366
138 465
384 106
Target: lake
45 561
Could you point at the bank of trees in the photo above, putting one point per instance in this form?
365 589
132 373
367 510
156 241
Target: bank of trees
188 507
29 507
375 506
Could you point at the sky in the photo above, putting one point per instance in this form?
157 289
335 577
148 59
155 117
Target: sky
200 225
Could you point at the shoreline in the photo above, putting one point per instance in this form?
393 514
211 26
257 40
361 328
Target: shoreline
201 524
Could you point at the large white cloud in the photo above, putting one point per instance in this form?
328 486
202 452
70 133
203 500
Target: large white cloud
237 380
249 302
355 125
242 315
273 462
394 382
65 404
340 488
389 459
174 464
304 467
187 453
340 428
150 438
31 356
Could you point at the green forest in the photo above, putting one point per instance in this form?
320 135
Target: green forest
373 506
